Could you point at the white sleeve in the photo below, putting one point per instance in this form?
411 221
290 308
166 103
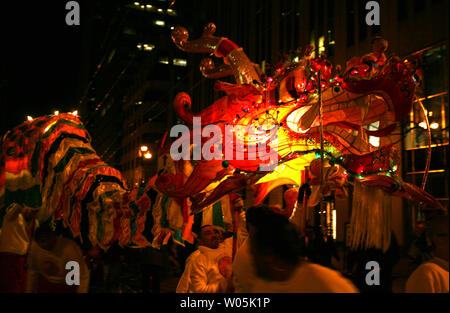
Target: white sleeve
199 278
13 211
242 232
184 282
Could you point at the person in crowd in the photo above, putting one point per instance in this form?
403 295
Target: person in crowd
432 276
276 262
48 268
209 268
17 227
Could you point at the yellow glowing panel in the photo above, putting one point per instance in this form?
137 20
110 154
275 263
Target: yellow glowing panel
290 170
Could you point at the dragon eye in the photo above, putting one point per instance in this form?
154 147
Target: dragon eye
294 117
337 89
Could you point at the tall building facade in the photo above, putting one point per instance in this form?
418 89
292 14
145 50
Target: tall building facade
126 104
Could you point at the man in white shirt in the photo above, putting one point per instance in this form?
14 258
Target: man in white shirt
48 268
14 241
208 269
433 276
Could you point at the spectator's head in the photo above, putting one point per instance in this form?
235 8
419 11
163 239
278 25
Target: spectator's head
45 237
209 236
438 230
27 213
274 243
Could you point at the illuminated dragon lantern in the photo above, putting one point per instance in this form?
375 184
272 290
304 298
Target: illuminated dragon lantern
48 164
371 89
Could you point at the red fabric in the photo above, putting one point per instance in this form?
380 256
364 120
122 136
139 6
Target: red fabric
382 132
225 47
370 162
44 286
12 273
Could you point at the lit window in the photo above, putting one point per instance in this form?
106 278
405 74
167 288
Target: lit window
171 12
321 45
179 62
146 47
164 60
434 125
136 3
160 10
160 23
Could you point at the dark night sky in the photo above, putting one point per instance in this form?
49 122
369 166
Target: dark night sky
40 60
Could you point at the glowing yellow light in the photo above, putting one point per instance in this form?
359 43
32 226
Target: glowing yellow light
75 112
423 125
374 141
48 127
293 119
148 155
160 23
321 44
56 113
434 125
160 10
144 148
148 6
179 62
334 224
136 3
148 47
29 118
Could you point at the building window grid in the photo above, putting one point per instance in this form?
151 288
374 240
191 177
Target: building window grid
415 149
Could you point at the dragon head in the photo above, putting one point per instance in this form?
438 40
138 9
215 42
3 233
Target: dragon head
282 112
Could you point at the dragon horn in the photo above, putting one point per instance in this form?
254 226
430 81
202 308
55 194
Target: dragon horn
240 66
